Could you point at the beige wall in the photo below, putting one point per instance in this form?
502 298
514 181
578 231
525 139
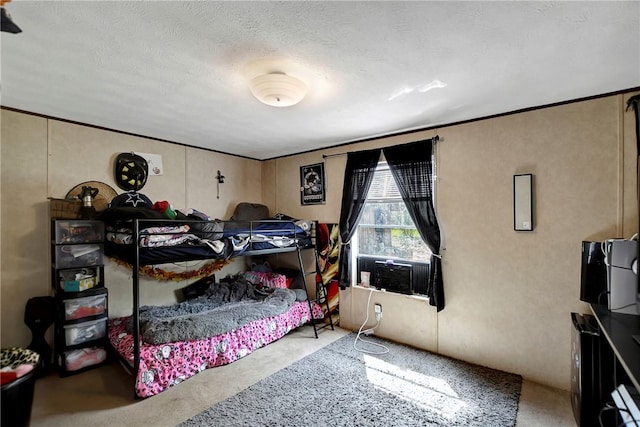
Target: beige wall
509 294
46 158
24 238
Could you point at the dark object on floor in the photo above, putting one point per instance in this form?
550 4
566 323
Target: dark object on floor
17 399
39 315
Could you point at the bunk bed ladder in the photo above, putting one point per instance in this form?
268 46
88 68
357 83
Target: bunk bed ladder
322 295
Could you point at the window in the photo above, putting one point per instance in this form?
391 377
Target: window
386 229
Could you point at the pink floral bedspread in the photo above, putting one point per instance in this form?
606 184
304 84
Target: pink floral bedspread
164 365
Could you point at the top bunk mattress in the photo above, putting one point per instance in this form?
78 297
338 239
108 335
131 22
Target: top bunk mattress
155 240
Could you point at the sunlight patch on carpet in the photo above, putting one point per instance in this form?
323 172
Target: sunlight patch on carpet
428 392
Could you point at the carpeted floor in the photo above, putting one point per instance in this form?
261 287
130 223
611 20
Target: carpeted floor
340 386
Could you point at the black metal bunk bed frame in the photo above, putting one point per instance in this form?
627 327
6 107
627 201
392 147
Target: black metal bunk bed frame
321 298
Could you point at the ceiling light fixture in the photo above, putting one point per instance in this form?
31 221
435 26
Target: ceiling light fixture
278 89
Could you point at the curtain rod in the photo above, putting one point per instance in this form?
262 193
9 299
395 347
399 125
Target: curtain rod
436 138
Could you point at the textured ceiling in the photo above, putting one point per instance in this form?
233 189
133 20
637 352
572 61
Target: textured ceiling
179 70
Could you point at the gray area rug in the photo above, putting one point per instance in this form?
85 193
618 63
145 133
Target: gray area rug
340 386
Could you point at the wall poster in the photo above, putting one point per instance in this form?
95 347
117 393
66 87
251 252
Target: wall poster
312 184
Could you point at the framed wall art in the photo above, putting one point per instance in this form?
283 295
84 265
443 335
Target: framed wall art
312 184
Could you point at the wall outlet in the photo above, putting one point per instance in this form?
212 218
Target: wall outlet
378 310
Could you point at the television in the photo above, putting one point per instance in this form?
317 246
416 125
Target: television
394 277
593 280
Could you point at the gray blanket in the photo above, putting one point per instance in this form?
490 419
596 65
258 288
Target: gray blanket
225 307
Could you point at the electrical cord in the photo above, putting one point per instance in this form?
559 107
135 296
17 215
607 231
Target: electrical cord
603 247
600 295
610 406
607 407
623 307
382 348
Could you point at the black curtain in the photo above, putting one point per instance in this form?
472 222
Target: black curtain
412 168
358 175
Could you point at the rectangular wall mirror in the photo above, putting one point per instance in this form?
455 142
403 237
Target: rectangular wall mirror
523 202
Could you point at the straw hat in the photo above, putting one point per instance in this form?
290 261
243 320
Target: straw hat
101 202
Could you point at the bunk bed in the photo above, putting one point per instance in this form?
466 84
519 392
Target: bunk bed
142 237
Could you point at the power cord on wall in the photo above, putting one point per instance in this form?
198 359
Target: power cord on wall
369 331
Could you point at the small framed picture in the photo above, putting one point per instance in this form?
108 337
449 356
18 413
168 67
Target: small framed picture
312 184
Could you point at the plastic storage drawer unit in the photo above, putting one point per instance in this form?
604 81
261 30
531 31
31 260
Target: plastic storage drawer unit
78 308
80 333
79 279
70 256
78 231
83 357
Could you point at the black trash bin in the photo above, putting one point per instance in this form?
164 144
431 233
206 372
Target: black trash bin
17 395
